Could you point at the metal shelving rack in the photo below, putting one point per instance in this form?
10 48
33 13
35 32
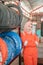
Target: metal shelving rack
19 34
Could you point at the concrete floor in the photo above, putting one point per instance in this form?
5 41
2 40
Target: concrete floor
15 62
21 64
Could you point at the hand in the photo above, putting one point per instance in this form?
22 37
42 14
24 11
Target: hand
36 43
25 43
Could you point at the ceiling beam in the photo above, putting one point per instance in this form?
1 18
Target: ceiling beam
36 8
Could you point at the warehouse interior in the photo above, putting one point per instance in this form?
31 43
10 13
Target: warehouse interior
29 10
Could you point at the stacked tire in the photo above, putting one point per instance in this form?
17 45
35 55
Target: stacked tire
13 43
9 18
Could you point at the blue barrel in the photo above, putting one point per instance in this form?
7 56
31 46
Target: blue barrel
14 45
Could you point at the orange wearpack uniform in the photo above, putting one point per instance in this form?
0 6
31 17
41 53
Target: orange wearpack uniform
30 50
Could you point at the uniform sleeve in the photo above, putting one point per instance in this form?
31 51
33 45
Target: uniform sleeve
22 37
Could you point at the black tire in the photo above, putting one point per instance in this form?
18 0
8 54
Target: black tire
9 18
18 7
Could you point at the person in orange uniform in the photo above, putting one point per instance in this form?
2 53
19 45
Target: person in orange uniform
30 42
3 51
